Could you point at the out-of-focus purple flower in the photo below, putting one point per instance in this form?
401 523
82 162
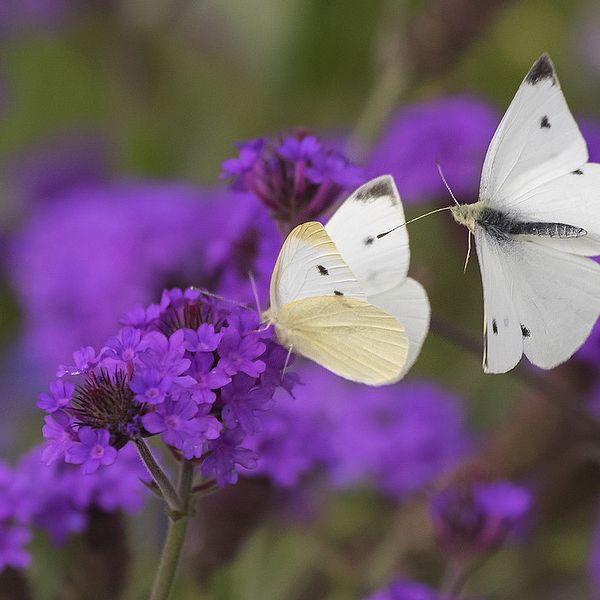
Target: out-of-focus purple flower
245 242
84 361
57 498
296 177
477 517
92 450
18 16
190 370
81 261
454 131
59 165
407 590
13 539
398 439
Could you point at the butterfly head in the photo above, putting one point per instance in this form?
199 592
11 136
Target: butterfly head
466 214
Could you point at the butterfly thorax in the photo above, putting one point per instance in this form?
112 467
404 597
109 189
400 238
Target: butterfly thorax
467 214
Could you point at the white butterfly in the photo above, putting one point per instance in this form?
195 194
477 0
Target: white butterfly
340 294
537 218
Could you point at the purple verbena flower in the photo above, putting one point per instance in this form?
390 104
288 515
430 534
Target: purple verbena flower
240 354
208 378
92 450
242 401
225 454
296 177
181 426
60 396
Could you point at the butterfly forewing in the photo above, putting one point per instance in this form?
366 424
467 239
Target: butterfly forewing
309 265
380 262
536 141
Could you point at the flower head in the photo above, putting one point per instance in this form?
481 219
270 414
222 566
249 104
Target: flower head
190 371
296 177
477 517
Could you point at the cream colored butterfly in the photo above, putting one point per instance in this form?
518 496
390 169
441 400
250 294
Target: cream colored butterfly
340 294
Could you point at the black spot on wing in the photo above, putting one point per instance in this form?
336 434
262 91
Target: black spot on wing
542 70
524 331
338 293
545 123
577 172
494 327
322 270
369 240
381 188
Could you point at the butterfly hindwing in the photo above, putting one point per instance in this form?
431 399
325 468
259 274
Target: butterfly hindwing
350 337
503 342
408 302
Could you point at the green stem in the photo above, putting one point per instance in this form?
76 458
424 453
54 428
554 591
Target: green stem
160 477
178 522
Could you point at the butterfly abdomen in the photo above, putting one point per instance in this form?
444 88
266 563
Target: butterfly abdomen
560 230
501 225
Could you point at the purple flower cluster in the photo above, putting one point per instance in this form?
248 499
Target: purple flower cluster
398 438
56 498
192 369
453 131
296 177
477 517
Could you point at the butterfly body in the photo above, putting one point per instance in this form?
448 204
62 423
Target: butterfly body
535 224
504 225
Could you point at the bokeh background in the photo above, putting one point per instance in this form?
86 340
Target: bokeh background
115 117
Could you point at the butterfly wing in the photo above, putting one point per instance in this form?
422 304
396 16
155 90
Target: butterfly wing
379 263
536 141
350 337
408 302
572 199
503 341
538 300
309 265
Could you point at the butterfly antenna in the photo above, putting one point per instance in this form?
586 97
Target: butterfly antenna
255 292
439 168
431 212
469 234
205 292
287 362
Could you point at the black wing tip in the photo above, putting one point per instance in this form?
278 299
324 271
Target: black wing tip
380 186
542 70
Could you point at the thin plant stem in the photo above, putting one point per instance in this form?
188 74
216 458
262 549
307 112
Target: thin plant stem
457 574
178 522
160 477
